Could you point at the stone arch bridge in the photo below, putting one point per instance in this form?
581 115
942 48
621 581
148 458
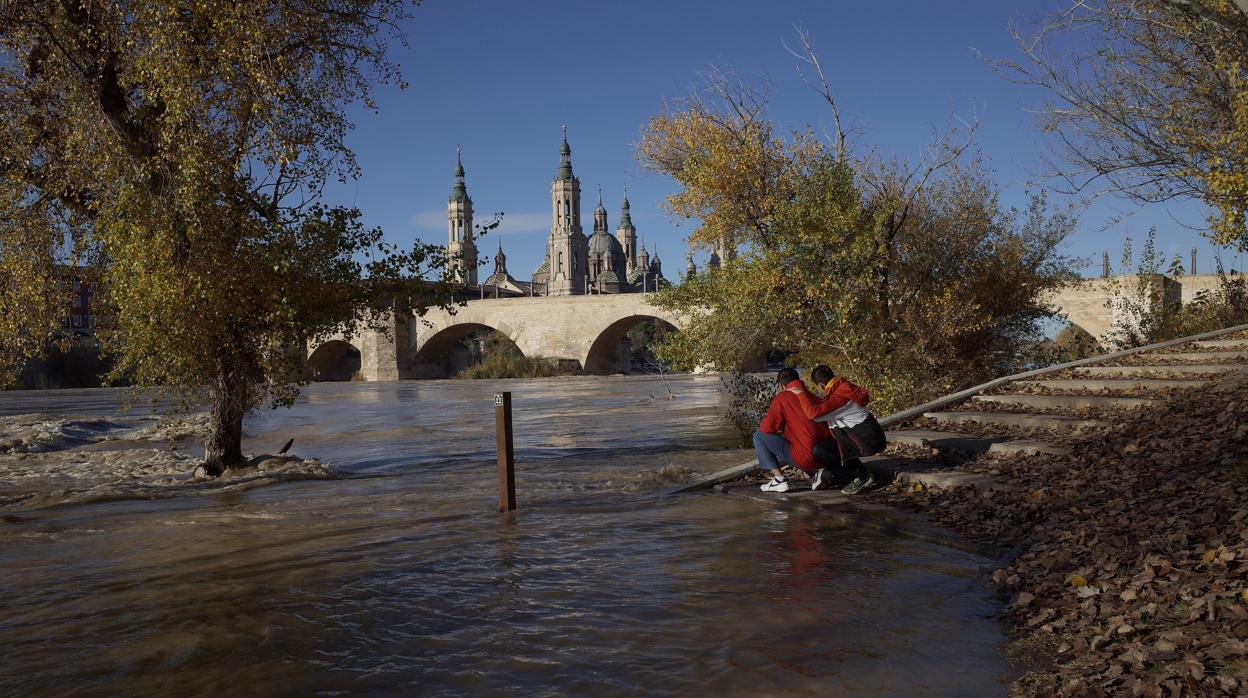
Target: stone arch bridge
589 332
586 332
1089 304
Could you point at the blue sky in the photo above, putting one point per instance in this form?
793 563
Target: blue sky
499 78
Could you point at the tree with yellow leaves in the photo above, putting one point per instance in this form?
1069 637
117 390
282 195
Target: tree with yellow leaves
907 278
1149 100
181 149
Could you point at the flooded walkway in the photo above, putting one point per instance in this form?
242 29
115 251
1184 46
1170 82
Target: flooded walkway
396 576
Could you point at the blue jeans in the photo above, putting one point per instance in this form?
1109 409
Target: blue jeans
772 450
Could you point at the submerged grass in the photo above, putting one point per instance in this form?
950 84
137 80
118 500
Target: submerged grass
506 365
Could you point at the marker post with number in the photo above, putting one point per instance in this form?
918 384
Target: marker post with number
506 453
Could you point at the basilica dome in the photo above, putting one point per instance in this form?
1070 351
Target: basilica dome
603 245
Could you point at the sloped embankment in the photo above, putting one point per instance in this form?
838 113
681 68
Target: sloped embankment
1124 484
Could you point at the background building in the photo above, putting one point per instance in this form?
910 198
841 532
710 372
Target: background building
573 264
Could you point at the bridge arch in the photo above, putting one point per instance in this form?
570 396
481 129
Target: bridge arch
447 350
335 360
610 350
1075 342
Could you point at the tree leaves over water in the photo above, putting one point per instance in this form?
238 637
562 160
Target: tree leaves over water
181 149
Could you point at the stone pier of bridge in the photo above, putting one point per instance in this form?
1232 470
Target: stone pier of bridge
1089 303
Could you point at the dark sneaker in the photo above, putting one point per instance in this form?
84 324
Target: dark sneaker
863 480
822 479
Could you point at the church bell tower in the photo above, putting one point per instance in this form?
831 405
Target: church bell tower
626 233
566 246
461 250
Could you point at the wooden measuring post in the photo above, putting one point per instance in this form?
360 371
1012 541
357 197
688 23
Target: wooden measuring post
506 453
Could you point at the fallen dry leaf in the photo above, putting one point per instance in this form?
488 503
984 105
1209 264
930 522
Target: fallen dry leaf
1087 591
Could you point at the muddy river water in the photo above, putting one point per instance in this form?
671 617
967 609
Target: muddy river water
390 571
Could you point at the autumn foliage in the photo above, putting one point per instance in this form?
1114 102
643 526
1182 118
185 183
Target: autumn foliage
1148 99
908 278
182 148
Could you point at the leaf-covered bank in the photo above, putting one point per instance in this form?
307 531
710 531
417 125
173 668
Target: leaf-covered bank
1133 572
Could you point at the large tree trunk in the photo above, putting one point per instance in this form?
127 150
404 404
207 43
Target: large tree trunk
223 446
230 397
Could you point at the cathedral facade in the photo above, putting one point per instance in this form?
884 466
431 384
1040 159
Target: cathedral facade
574 264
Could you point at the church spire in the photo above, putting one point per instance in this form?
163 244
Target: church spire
565 158
566 253
626 233
600 215
461 250
460 191
500 259
626 218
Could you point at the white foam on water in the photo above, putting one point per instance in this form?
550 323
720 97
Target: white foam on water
33 481
38 432
46 461
167 428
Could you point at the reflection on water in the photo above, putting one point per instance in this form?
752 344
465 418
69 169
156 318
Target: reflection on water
402 579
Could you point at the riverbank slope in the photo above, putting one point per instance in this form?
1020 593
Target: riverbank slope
1132 572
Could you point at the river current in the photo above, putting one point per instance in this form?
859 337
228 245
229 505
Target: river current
389 571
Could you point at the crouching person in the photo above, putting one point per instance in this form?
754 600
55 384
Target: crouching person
787 435
854 430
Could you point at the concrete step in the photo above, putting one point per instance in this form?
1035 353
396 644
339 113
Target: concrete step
1205 370
902 470
1068 401
941 440
886 469
1203 355
1014 419
712 479
1027 447
967 443
1114 383
1219 343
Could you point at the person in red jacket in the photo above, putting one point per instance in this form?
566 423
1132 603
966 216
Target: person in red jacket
787 435
855 431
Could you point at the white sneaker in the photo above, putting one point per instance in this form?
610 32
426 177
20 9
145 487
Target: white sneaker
822 480
776 484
